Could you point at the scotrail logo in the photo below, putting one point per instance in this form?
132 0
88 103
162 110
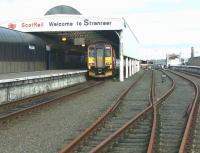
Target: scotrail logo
12 26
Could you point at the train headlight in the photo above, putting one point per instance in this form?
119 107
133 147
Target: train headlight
108 63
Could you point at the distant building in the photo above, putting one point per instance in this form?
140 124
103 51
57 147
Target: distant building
192 52
173 60
195 61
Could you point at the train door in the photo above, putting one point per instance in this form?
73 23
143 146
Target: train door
100 57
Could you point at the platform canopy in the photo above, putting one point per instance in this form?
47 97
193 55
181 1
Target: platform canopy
62 9
66 21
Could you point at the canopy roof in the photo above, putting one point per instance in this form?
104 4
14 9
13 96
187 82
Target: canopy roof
62 9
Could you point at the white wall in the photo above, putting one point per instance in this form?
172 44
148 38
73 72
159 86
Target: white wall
131 46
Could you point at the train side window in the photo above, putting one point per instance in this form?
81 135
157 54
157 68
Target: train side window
107 51
91 52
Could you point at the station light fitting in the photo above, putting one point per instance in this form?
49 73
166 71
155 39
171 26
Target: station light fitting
63 39
83 45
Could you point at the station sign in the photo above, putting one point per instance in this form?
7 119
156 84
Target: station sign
65 23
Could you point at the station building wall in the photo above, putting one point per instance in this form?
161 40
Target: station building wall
195 61
131 46
20 52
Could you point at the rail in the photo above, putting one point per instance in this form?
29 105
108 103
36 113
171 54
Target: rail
155 106
118 133
74 144
187 131
18 112
123 129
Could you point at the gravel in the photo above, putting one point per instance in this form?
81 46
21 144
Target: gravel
161 87
172 116
49 129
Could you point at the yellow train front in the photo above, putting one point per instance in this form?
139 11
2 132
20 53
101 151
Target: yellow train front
101 60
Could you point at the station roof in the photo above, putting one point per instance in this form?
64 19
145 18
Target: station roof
91 29
62 9
59 22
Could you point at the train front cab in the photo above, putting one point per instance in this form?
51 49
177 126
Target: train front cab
101 60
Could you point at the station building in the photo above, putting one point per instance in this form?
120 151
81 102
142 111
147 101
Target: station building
67 34
58 41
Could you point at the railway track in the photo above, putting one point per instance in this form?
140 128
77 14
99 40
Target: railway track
110 119
139 137
191 139
189 73
129 128
15 109
136 136
194 139
134 140
172 117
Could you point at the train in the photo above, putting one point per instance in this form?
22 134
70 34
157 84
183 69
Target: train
101 62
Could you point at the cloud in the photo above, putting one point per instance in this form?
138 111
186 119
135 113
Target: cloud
87 7
166 28
159 1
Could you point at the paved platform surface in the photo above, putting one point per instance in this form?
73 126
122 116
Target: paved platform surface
15 86
10 77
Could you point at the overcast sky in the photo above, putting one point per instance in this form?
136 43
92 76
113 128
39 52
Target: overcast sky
162 26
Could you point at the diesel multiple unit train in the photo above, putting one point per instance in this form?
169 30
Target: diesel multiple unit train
101 60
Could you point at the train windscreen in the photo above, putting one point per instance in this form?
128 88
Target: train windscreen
100 58
107 51
91 52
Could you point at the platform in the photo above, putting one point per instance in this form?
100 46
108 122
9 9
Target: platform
16 86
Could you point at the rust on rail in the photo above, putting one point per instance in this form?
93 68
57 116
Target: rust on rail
155 106
153 129
188 128
120 131
102 146
190 122
15 114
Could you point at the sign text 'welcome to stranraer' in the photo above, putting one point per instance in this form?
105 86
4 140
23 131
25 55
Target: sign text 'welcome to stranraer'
85 22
